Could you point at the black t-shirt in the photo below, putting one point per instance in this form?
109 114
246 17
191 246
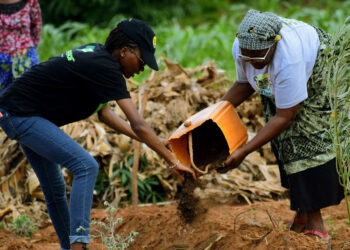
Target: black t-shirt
67 88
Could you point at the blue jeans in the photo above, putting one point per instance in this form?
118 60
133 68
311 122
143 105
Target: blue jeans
47 147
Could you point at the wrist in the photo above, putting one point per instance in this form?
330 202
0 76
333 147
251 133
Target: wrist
174 164
244 150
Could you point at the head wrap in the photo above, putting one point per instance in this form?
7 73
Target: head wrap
259 30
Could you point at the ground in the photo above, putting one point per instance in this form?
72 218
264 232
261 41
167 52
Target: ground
262 225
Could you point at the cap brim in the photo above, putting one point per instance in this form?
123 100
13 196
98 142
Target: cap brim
149 59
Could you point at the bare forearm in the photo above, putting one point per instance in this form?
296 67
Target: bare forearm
272 129
238 93
141 131
148 136
118 124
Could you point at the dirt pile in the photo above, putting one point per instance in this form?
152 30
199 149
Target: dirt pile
224 227
258 226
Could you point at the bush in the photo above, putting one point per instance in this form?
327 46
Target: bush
101 11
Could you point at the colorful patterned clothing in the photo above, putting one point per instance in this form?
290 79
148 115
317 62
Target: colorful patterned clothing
20 30
306 144
11 68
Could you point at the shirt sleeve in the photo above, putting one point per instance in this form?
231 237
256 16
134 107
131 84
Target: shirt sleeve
35 22
240 72
291 86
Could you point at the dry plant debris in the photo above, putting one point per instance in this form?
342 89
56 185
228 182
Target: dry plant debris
174 94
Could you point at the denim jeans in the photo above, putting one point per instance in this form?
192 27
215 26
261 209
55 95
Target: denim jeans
47 147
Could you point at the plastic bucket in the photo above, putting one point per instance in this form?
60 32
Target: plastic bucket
213 133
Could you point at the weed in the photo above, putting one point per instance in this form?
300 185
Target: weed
253 211
110 239
333 229
330 222
22 225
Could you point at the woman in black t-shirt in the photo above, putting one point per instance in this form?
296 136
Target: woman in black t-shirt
69 88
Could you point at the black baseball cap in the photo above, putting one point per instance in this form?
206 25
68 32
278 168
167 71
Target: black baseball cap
142 34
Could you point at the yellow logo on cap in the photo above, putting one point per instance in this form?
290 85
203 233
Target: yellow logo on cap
154 41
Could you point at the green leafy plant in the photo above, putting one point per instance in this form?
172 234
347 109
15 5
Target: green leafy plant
106 231
338 81
152 190
102 183
22 225
333 228
149 189
3 225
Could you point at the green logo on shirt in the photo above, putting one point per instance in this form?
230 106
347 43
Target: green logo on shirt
263 84
88 48
69 55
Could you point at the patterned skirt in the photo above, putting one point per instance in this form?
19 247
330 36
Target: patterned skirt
11 68
304 150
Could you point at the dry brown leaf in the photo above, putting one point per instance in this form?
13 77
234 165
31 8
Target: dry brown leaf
5 211
9 182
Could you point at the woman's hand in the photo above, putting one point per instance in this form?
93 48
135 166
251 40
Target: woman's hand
233 161
179 167
273 128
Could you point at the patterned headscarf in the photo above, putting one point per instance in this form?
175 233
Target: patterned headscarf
259 30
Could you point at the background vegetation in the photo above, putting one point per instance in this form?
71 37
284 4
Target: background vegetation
188 31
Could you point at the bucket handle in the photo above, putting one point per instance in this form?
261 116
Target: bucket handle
190 146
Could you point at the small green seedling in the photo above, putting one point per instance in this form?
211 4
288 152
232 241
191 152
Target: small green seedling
253 211
110 239
22 225
330 223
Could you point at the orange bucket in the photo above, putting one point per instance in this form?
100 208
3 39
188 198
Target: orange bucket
209 136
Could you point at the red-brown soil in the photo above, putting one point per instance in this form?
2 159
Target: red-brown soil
221 227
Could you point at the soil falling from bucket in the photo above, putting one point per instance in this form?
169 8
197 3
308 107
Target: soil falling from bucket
189 205
209 147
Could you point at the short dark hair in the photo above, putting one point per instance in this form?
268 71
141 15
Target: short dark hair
117 39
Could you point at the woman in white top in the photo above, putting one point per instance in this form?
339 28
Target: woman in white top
283 59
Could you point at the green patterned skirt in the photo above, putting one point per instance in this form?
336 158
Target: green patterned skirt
304 150
306 144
